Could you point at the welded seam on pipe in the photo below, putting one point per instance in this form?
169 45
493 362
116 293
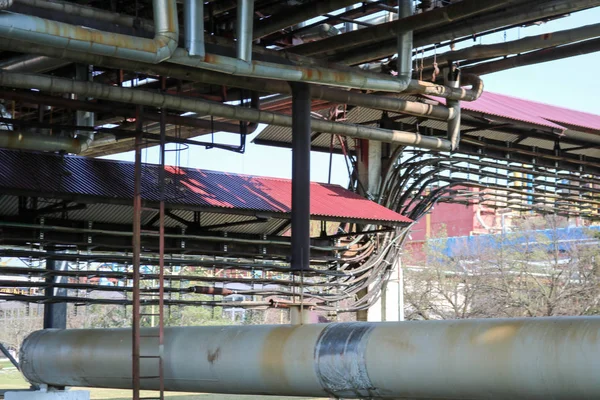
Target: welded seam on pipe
141 97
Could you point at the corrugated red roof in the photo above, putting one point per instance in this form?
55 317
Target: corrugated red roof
104 179
532 112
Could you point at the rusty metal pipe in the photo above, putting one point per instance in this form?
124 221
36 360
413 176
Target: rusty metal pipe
70 37
153 99
533 359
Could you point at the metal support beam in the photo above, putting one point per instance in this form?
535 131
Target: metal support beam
55 314
301 130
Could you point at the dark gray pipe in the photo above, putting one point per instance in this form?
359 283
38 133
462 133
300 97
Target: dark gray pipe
405 39
301 133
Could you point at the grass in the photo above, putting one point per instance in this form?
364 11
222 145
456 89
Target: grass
12 379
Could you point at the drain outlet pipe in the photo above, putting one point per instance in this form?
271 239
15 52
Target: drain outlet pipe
71 37
154 99
521 358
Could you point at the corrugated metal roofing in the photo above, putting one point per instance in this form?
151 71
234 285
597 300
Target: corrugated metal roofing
531 112
219 191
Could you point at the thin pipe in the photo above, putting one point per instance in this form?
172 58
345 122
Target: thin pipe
194 27
244 26
141 97
520 358
454 124
78 38
136 254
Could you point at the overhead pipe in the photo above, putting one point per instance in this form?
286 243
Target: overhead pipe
537 57
389 30
518 14
70 37
264 85
523 45
521 358
244 26
194 27
78 10
153 99
37 142
32 63
301 13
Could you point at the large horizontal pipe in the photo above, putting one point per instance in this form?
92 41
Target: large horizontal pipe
32 64
391 29
71 37
533 359
517 14
153 99
529 43
260 85
301 13
537 57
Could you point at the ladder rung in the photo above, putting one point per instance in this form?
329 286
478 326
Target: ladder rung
149 356
150 377
149 336
156 315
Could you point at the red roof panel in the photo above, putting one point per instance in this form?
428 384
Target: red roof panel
105 179
531 111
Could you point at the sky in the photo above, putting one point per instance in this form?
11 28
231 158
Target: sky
570 83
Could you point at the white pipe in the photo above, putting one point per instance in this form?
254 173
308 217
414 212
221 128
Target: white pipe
533 359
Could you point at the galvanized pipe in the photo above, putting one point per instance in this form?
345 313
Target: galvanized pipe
194 27
533 359
70 37
244 26
453 78
153 99
405 39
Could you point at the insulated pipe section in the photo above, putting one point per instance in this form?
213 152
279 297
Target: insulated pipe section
244 23
533 359
32 64
35 142
194 27
153 99
405 40
78 38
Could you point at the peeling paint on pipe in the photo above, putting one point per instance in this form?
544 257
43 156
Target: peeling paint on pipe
534 359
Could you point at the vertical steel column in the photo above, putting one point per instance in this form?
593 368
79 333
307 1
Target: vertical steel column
136 249
161 244
301 108
55 314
